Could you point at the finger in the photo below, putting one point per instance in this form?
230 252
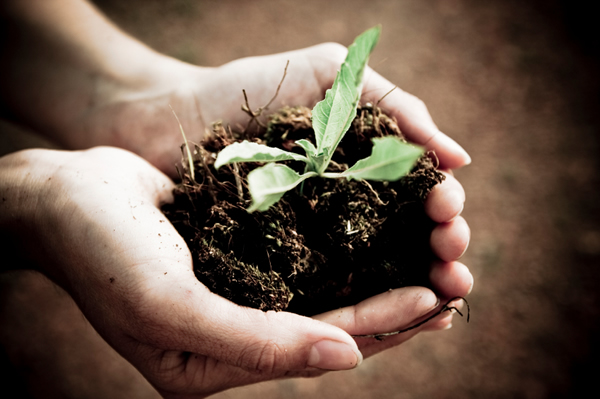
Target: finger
414 120
451 279
265 342
446 200
203 376
442 322
181 373
449 241
160 302
390 311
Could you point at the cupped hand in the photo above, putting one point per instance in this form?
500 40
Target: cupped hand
140 119
94 219
310 73
137 116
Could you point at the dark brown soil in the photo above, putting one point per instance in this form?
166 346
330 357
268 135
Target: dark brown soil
516 83
328 244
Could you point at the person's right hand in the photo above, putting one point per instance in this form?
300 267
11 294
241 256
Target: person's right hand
138 117
91 221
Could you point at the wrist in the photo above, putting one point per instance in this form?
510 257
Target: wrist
23 193
134 111
88 65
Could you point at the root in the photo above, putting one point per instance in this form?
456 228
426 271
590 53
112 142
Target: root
444 308
385 95
370 187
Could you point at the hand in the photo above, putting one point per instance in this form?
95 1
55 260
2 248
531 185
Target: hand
144 123
93 220
203 95
141 120
102 87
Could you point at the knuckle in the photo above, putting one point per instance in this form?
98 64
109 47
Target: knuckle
412 101
333 52
148 319
267 354
104 151
417 103
264 357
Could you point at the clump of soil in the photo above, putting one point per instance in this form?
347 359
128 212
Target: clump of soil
327 244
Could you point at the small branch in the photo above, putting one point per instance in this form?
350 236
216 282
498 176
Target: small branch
255 114
278 87
209 176
444 308
189 153
238 181
385 95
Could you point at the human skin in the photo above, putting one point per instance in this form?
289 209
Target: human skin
94 215
73 76
91 222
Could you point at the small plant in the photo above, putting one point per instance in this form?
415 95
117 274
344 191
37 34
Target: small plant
324 243
391 157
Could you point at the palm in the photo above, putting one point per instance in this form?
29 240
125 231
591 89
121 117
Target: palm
205 351
131 274
309 73
144 123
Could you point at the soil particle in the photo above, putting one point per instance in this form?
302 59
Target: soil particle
333 243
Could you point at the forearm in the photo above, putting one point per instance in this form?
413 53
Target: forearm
34 211
20 188
62 57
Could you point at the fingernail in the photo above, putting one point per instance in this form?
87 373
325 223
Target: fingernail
472 284
454 147
425 304
466 246
462 208
456 197
334 355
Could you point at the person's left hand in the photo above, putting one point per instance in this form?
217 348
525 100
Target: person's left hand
91 220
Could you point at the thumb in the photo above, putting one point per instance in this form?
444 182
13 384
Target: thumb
270 342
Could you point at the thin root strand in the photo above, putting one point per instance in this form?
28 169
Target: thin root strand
443 309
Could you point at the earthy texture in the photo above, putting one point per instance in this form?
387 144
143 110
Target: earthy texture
515 82
327 243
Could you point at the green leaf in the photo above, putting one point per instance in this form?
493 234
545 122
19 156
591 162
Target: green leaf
315 160
247 151
333 116
390 159
308 147
268 184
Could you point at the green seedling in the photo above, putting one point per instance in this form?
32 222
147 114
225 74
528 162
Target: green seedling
391 157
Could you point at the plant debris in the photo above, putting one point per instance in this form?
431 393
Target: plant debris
327 243
445 308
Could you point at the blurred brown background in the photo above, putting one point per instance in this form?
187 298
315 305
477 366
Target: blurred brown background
516 83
